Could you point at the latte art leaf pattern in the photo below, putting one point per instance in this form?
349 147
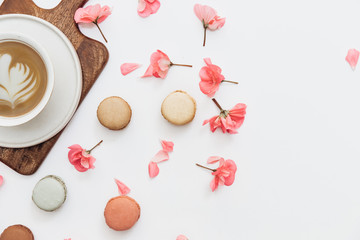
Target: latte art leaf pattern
17 84
23 79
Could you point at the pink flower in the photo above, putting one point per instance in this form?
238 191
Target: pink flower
93 14
182 237
209 18
159 65
352 57
81 158
1 180
224 174
167 145
148 7
211 78
123 189
228 120
127 68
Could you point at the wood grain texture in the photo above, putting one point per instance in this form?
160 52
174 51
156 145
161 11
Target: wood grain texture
93 57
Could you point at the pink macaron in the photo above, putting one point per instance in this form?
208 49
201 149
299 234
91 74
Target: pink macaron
121 213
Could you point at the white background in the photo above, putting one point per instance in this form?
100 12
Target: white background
297 152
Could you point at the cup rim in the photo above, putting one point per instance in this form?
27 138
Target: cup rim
18 120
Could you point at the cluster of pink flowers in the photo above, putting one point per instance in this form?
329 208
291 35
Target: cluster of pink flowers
228 121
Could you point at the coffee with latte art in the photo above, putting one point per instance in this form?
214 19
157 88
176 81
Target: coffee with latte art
23 78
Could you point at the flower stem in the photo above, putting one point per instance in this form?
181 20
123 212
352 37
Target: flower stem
204 36
100 31
89 151
217 104
229 81
214 170
182 65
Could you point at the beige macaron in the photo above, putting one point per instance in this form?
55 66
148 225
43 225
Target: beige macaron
114 113
178 108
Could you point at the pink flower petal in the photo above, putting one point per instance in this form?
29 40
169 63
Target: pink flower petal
352 57
1 180
214 184
153 169
182 237
149 72
204 13
76 147
167 146
148 7
123 189
92 13
160 156
79 167
214 159
127 68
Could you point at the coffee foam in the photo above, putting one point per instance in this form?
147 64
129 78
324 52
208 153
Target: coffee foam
23 78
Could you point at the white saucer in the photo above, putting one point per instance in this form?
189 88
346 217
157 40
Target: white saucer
67 88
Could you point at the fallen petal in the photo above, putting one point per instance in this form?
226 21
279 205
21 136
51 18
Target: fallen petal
167 146
127 68
153 169
182 237
352 57
123 189
161 156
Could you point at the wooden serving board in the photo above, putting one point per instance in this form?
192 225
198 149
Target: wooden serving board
93 57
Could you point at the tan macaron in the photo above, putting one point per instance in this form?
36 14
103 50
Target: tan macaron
178 108
114 113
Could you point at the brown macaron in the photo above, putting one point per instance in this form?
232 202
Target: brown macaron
178 108
121 213
17 232
114 113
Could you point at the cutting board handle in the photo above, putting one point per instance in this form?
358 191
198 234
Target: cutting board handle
70 5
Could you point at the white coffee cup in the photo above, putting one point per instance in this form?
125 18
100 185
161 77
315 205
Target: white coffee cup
17 120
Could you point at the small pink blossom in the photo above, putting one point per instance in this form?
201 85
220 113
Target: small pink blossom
127 68
209 18
224 174
228 120
81 158
352 57
181 237
1 180
167 145
93 14
211 78
148 7
123 189
159 65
